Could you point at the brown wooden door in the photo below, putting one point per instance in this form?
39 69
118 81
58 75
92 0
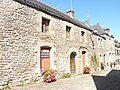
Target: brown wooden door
45 58
83 58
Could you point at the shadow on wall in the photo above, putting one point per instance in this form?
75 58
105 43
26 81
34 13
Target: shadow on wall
109 82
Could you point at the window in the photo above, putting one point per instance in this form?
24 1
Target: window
68 31
99 42
82 36
119 52
98 39
82 33
45 25
115 51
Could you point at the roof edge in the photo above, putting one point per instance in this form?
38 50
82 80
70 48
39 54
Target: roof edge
43 7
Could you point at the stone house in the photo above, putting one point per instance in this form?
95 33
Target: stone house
35 36
98 42
106 46
117 52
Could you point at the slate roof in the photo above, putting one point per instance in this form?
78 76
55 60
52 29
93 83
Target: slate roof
49 10
98 28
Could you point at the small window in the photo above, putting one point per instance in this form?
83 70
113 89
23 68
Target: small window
45 25
68 31
82 36
82 33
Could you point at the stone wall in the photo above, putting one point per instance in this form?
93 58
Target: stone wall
17 42
21 39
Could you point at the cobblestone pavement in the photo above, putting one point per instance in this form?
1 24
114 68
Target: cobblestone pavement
82 82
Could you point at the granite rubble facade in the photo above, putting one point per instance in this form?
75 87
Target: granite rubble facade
21 40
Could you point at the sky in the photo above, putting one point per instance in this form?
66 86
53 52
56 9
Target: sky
104 12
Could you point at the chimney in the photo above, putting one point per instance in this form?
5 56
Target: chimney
70 13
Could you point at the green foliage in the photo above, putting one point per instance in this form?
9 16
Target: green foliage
94 61
67 75
46 73
21 84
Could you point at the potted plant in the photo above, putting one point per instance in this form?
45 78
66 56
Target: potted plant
49 75
86 70
102 66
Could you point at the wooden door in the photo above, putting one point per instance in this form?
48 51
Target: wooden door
83 59
72 63
72 66
45 58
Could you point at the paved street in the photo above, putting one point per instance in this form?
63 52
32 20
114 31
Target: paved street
83 82
109 82
98 81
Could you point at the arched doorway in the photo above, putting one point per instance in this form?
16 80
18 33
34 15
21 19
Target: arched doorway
72 62
45 57
83 58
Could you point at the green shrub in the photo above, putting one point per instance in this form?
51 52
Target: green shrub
67 75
